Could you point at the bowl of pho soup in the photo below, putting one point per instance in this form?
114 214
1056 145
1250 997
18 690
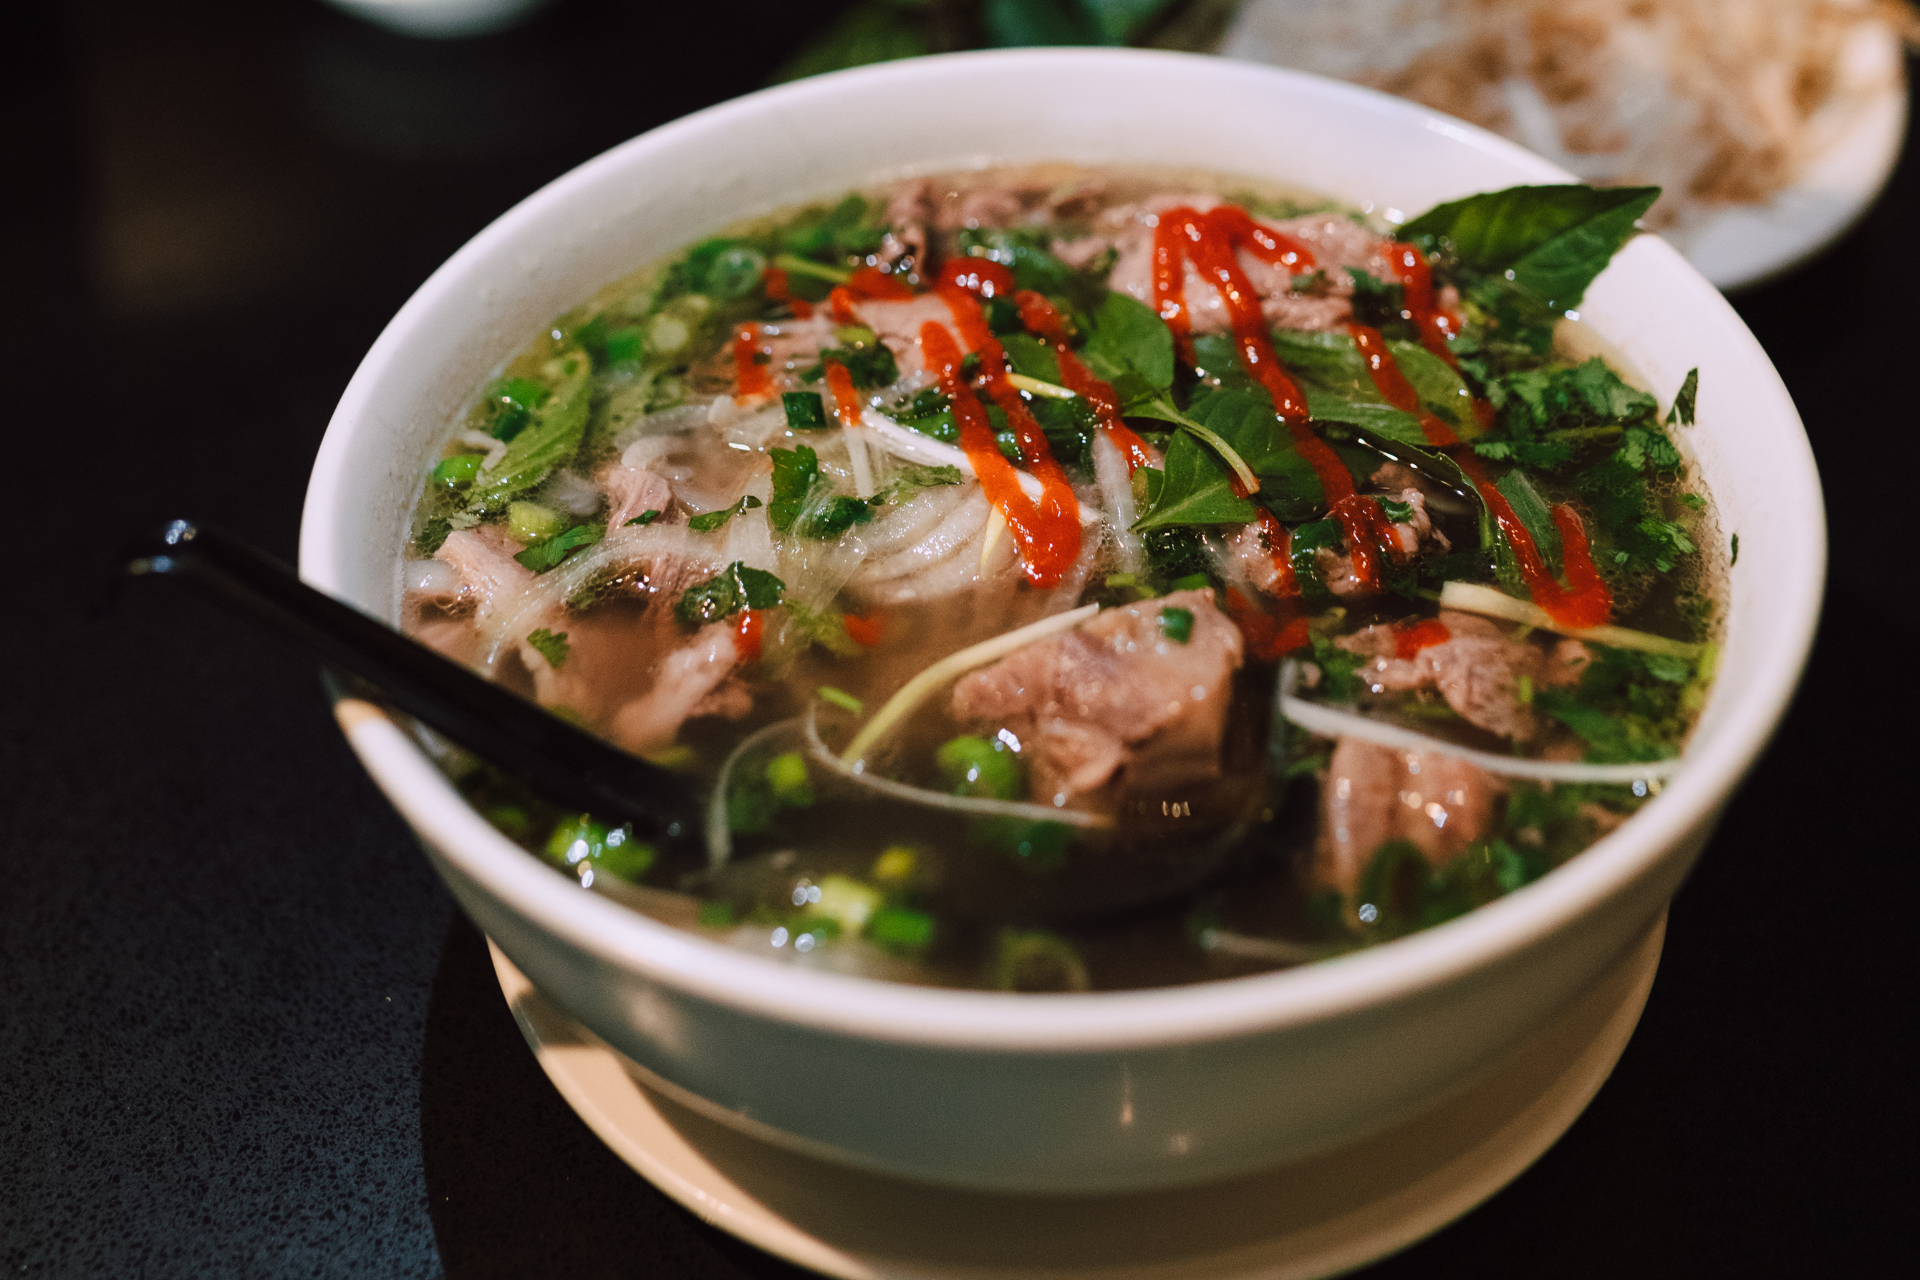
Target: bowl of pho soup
1201 603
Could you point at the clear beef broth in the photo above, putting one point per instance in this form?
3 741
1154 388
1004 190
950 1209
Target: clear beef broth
1181 436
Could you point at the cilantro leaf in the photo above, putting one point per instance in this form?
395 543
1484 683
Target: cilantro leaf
734 588
542 556
551 645
1683 400
716 519
644 519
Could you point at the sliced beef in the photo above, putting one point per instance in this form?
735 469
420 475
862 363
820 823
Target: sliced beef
633 491
491 579
688 682
1476 669
898 325
1337 243
1114 699
1375 794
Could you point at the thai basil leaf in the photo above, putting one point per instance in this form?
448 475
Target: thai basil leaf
1552 240
1198 488
1031 356
1381 420
1327 362
551 645
1129 339
1534 514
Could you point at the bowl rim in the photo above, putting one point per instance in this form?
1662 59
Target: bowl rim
1084 1022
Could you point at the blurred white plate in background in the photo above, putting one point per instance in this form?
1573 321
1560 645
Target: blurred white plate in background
1854 138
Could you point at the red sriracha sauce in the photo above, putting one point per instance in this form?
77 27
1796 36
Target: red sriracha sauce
751 363
1585 600
1047 533
1423 634
775 280
868 284
1267 637
1210 240
1039 316
846 401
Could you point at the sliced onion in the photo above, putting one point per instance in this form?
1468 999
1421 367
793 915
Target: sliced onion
822 755
1331 722
1116 495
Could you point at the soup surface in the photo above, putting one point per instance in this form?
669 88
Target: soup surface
1066 580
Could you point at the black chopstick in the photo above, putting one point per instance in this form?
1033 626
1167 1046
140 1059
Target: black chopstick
569 766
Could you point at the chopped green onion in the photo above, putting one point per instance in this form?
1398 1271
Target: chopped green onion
1192 582
530 522
896 864
979 768
787 775
716 915
797 265
1177 624
901 928
458 471
841 699
551 645
805 410
845 901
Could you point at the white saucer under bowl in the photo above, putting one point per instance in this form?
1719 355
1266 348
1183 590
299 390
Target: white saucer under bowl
1318 1218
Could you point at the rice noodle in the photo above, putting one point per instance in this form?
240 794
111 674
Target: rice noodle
1332 722
909 695
909 444
962 524
823 755
507 620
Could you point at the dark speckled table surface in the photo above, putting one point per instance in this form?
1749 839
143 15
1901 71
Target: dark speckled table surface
243 1031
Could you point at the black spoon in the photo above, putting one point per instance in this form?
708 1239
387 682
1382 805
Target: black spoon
570 766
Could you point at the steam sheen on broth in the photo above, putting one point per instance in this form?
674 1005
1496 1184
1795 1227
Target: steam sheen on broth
1067 580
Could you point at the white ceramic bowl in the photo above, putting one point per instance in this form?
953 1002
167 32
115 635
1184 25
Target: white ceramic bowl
1043 1092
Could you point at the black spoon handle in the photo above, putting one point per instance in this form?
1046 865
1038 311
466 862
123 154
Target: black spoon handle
568 765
